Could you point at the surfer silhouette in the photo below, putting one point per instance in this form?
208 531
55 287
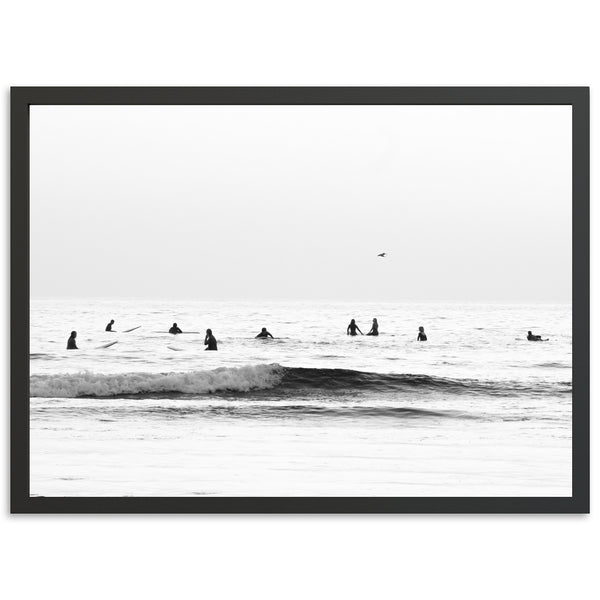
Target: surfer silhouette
175 329
374 328
534 338
351 329
71 345
210 340
264 334
109 326
421 337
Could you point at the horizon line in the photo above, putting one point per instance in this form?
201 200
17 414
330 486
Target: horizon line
311 300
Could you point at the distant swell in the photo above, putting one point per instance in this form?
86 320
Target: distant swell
289 380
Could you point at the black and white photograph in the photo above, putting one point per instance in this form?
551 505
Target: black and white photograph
362 300
301 300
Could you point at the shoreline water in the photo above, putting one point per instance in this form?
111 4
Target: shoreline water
178 455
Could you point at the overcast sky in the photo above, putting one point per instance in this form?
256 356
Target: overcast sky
242 202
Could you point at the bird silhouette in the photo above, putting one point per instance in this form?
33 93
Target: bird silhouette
382 255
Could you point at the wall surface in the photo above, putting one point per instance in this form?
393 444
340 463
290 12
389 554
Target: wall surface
521 42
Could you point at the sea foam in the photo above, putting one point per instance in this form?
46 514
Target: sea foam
86 384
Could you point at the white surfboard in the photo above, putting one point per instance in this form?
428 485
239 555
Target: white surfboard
107 345
132 329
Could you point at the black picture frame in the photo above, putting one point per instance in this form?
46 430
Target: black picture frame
24 97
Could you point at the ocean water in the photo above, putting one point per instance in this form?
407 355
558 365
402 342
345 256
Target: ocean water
476 410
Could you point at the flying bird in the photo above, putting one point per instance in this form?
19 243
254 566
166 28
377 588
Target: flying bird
382 255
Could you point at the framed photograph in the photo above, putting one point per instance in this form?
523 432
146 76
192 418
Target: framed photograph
300 300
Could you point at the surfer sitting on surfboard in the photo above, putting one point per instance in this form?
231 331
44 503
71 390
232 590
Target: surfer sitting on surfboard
421 337
264 334
109 326
71 345
374 328
534 338
210 340
351 329
175 329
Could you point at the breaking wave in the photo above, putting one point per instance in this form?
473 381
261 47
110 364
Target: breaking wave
267 377
86 384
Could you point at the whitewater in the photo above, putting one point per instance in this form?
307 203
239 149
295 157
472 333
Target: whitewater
475 410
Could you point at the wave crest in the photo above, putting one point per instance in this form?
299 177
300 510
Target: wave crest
287 380
87 384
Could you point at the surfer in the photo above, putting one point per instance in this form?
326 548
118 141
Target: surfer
421 337
534 338
71 345
175 329
351 329
374 328
264 334
210 340
109 326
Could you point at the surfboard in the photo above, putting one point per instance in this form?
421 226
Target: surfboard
176 349
132 329
107 345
